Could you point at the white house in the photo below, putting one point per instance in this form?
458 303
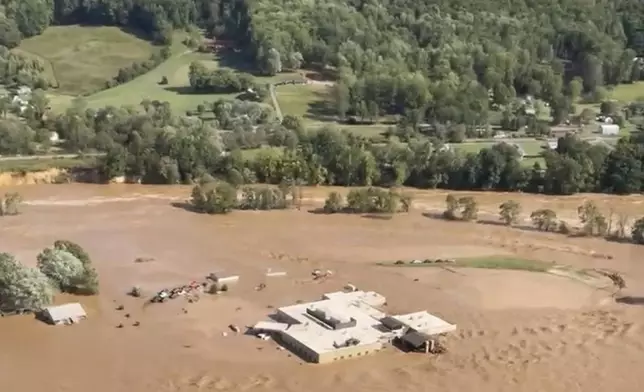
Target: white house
609 129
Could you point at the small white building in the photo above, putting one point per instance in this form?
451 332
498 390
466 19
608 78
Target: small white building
71 313
609 129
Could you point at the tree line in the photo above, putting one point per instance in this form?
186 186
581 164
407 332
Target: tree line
154 146
594 223
64 267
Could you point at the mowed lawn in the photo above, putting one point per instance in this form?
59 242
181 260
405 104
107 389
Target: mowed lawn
81 59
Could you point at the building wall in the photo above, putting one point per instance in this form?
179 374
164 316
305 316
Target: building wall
299 349
349 352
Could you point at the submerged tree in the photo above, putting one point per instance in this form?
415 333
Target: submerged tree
509 212
544 219
10 204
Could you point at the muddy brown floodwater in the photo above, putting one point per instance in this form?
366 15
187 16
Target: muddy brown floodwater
517 331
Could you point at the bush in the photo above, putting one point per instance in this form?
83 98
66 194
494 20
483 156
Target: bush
22 287
334 203
214 198
164 81
10 204
637 232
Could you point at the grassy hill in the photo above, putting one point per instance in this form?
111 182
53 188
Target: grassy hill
81 59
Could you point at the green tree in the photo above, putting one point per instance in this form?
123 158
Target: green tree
510 212
214 198
62 268
22 287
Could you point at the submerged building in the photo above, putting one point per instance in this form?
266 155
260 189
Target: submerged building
345 325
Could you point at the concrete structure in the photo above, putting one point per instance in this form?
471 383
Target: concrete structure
345 325
609 129
70 313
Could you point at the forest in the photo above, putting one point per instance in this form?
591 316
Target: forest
449 64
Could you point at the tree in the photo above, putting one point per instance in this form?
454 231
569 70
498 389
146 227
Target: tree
9 33
22 287
452 210
470 208
510 212
88 283
575 88
62 268
334 203
594 222
295 60
214 198
637 232
544 219
273 62
10 204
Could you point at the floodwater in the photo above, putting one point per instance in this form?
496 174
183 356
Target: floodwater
517 331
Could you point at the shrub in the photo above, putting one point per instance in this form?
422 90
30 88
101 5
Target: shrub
10 204
262 198
594 222
376 200
637 232
334 203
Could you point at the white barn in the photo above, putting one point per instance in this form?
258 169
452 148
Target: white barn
609 129
71 313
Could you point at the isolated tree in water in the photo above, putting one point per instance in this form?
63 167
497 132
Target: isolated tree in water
61 267
509 212
10 203
22 287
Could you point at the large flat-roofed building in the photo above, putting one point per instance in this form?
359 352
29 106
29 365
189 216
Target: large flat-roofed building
345 325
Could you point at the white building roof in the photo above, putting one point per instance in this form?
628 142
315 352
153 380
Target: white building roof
426 323
64 312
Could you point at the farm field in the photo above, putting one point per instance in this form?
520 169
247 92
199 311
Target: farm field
81 59
516 330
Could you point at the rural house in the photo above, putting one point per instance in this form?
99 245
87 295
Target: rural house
66 314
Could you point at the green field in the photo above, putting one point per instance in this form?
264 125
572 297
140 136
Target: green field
176 92
81 59
487 262
628 92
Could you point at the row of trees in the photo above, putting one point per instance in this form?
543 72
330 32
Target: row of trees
215 197
368 200
65 267
126 74
593 222
155 146
218 81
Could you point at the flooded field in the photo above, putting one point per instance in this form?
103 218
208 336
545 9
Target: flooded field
517 331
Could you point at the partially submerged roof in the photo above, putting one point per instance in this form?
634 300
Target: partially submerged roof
270 326
66 311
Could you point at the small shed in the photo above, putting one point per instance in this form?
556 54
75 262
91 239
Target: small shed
609 129
71 313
